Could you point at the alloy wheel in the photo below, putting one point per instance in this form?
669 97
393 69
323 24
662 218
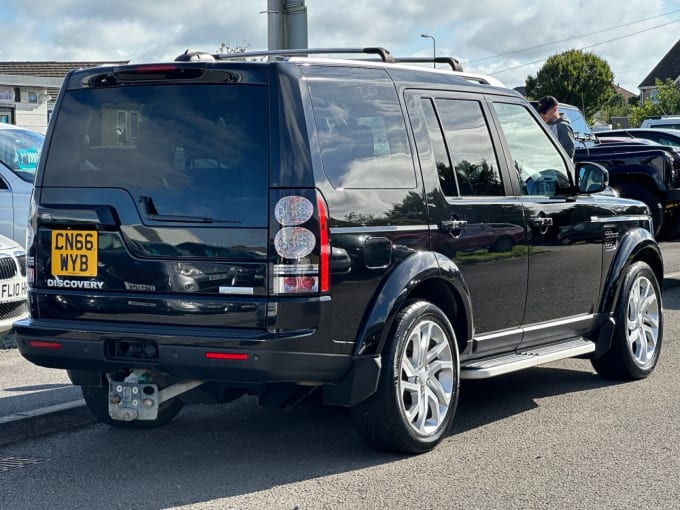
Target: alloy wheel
426 378
642 322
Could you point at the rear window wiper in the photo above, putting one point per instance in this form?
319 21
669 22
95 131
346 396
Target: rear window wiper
150 212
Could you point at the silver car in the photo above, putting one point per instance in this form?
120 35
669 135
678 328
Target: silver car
12 283
19 155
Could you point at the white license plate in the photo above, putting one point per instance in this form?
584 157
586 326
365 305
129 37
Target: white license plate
11 291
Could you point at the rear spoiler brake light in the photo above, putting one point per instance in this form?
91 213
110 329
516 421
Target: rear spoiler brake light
158 72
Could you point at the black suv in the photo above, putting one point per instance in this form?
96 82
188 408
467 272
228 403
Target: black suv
367 232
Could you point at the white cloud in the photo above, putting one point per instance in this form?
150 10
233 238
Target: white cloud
141 30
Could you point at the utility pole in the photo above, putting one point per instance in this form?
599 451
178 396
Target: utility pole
287 24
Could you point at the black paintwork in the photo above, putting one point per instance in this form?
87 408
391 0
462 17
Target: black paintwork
172 282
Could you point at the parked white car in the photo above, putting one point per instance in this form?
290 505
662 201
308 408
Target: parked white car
12 283
667 121
19 155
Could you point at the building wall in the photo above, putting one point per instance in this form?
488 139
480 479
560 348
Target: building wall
32 116
30 106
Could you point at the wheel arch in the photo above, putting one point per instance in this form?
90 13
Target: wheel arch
637 178
636 245
428 276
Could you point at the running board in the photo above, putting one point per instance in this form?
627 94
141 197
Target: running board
506 363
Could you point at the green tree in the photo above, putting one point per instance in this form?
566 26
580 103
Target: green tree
575 77
616 106
667 102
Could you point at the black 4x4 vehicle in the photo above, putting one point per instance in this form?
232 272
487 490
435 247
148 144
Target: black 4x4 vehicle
205 229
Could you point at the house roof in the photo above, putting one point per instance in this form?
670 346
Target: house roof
623 92
49 69
668 67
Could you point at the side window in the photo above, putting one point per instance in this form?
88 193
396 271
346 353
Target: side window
470 147
362 133
447 179
667 141
539 166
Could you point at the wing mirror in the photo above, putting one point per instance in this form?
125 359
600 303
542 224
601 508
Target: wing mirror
592 177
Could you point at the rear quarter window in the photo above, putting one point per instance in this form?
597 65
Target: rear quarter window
361 129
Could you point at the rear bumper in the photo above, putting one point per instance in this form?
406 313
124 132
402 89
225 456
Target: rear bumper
59 347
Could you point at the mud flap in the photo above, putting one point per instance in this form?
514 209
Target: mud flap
358 385
604 337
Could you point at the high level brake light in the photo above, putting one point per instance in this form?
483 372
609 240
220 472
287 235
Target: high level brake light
146 72
301 243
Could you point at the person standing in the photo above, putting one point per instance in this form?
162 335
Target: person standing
558 123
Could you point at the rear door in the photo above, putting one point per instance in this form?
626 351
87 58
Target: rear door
154 202
475 219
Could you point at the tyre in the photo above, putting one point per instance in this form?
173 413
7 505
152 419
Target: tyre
638 333
97 401
503 244
671 228
417 393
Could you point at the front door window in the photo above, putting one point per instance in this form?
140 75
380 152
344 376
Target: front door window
539 166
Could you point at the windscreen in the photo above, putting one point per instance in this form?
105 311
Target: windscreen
189 150
20 151
578 123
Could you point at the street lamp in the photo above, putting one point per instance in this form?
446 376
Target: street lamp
434 48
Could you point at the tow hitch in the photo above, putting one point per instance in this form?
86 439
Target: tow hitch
138 398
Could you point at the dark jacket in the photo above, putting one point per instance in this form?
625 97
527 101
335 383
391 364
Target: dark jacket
561 129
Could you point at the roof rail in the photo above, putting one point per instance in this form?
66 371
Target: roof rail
383 53
453 62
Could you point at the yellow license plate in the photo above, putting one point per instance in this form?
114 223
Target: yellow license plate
74 253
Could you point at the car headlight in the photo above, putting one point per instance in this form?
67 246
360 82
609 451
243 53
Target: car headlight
186 269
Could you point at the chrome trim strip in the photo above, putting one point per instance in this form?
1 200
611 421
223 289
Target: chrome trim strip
537 327
612 219
242 291
516 331
386 228
563 322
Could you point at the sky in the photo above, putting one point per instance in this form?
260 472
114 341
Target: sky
509 39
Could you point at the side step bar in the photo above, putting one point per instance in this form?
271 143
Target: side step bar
506 363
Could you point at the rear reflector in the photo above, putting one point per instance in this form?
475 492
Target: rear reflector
39 344
226 355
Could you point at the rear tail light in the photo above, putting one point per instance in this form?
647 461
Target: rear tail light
301 243
325 248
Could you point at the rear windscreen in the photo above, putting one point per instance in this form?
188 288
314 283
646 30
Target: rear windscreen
180 150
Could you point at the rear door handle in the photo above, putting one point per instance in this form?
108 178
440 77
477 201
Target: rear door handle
451 225
541 222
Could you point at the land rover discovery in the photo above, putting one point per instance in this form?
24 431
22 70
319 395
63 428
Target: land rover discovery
365 231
